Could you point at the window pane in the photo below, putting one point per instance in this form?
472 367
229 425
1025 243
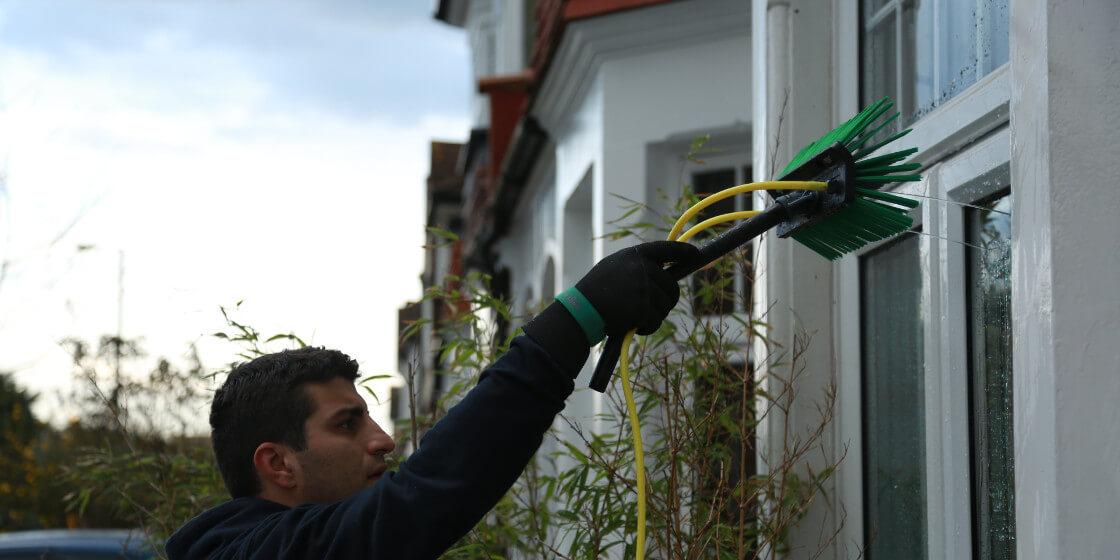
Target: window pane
713 289
747 274
918 38
957 43
871 7
893 402
993 472
879 62
945 47
719 392
994 35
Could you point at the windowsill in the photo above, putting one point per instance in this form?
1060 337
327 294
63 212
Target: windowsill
978 110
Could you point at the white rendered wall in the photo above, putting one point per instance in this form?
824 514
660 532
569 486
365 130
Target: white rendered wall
609 99
1064 78
517 253
539 225
482 25
579 164
1065 83
796 284
532 240
657 96
1065 105
511 54
633 101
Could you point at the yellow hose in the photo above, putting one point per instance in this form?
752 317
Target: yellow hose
729 217
639 453
624 359
732 191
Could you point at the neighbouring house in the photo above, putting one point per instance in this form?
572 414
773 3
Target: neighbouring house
418 355
585 102
974 360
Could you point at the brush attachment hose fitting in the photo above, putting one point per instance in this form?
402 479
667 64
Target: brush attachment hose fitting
793 207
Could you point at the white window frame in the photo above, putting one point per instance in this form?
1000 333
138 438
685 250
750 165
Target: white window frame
737 160
982 72
965 146
667 169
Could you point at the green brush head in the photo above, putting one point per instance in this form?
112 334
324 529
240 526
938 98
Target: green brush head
866 215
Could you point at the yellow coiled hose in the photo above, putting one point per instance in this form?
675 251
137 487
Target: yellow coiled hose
624 369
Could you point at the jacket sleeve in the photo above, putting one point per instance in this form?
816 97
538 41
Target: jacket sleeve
463 466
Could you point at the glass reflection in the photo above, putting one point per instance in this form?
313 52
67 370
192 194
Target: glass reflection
893 402
993 472
923 53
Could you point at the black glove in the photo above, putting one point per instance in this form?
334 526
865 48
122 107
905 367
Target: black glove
629 289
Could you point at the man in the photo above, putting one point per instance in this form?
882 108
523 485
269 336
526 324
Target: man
305 464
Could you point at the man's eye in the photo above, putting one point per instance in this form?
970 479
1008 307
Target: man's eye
347 425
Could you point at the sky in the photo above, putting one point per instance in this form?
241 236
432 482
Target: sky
270 151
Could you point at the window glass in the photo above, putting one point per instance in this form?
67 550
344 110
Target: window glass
956 45
719 392
993 472
396 403
893 402
919 46
713 289
529 22
880 61
924 52
994 40
872 6
746 202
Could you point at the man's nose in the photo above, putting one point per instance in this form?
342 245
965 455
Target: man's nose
381 443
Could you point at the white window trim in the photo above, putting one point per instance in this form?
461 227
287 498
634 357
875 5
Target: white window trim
965 145
737 160
959 122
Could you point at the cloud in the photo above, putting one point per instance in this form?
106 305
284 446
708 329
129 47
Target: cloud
226 164
361 59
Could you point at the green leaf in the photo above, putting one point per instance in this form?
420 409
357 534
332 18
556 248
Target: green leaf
373 394
697 145
438 232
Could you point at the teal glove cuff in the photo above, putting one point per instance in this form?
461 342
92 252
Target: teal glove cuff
594 328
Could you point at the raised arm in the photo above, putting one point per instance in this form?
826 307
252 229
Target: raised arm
474 454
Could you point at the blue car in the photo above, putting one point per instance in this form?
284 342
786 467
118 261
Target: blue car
80 544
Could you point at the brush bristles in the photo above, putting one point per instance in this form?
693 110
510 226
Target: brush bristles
872 216
860 223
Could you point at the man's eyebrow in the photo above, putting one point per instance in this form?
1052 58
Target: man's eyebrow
356 410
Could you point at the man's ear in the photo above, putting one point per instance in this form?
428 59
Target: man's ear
275 465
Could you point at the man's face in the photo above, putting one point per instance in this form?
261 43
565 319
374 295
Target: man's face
345 449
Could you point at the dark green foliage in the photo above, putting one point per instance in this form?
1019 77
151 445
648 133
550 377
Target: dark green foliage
138 455
20 472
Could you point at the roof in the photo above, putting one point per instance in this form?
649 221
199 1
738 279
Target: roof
444 179
526 139
407 314
515 139
452 12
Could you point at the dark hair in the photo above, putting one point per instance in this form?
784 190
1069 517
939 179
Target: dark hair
263 401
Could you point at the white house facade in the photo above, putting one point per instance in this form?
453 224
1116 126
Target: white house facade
977 359
1008 102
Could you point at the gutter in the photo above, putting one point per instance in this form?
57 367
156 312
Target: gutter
527 138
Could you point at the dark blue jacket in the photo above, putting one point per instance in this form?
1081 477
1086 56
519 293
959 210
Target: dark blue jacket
463 466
